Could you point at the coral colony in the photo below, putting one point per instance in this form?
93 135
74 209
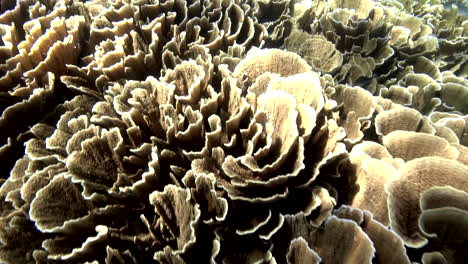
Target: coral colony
233 131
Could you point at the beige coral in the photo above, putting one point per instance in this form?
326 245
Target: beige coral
232 131
412 180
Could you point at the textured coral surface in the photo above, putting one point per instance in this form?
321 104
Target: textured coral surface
233 131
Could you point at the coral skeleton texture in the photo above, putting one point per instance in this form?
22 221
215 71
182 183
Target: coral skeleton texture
233 131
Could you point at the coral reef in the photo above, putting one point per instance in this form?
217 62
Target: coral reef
233 131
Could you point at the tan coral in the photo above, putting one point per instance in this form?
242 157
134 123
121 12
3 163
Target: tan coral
455 96
443 221
45 207
259 61
279 109
456 123
463 150
400 35
388 246
369 149
424 89
415 25
354 245
310 95
243 156
47 39
372 176
402 119
446 133
300 253
443 196
397 94
155 41
177 214
362 7
356 106
429 67
320 53
409 145
369 158
410 182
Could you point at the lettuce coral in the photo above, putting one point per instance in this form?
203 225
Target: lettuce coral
233 131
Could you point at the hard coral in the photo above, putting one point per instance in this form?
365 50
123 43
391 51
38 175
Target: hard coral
233 131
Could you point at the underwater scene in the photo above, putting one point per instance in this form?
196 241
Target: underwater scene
233 131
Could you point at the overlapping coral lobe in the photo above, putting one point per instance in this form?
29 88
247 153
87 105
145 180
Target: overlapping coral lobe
233 131
88 45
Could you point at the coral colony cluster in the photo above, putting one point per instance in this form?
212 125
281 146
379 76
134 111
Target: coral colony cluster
233 131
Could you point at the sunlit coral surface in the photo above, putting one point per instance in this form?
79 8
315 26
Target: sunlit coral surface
233 131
